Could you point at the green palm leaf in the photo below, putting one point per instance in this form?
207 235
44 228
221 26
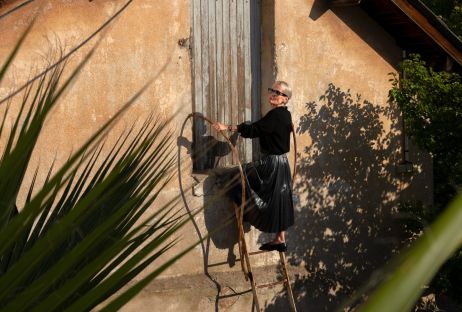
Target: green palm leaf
406 280
77 240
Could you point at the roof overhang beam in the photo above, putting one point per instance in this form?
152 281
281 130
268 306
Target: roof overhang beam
421 21
343 3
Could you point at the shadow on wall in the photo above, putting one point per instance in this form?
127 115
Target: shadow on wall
206 152
362 25
218 216
345 227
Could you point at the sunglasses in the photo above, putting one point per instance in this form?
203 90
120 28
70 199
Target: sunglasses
271 90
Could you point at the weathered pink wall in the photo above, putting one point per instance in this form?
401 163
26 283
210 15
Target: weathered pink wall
349 138
348 184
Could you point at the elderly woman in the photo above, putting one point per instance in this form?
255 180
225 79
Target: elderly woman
269 200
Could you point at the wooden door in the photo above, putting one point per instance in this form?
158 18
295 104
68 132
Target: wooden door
225 71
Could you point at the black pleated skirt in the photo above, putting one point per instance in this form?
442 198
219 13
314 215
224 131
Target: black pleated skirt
269 205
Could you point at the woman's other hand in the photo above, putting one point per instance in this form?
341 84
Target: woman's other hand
219 126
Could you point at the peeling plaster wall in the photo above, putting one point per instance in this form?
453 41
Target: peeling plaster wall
140 45
349 183
348 186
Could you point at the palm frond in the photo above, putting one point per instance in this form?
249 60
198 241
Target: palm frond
405 281
84 233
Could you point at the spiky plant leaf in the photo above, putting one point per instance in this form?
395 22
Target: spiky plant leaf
84 233
406 280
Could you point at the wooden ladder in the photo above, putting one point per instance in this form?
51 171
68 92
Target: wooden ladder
247 268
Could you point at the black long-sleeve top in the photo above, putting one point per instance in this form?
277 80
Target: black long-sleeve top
273 130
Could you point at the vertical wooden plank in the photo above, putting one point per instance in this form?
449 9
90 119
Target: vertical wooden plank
226 61
233 65
255 48
198 163
228 31
247 61
241 72
223 62
233 62
240 63
206 81
197 55
212 60
247 87
204 55
219 58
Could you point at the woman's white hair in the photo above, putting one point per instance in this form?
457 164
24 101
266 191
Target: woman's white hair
285 86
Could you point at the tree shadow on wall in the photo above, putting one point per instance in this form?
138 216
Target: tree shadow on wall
348 187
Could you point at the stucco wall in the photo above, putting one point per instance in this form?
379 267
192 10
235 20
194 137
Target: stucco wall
139 45
348 135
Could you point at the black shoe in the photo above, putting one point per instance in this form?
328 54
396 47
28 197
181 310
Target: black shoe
281 247
265 247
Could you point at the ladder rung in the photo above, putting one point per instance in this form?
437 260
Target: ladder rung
245 260
254 253
261 251
271 284
219 263
258 252
235 294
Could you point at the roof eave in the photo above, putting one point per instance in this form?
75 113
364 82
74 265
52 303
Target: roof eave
441 35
